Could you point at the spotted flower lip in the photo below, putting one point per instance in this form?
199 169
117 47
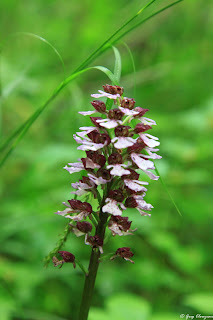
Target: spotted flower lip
114 203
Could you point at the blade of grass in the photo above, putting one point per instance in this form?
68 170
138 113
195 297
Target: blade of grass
92 56
118 66
32 119
144 20
167 191
95 54
133 67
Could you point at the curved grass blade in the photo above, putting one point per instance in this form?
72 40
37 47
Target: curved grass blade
43 40
118 66
167 191
24 127
95 53
144 20
133 67
106 45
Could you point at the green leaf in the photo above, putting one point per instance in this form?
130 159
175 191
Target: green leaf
118 65
202 302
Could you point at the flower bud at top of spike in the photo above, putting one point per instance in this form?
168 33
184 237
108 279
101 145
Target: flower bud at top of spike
99 106
115 114
67 256
128 103
115 158
133 175
84 226
113 89
124 252
122 131
131 202
140 127
141 111
116 195
104 173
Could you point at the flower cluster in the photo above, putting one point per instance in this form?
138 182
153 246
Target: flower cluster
118 149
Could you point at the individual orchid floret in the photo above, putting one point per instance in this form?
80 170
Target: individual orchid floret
114 203
128 112
94 140
74 167
133 184
68 257
137 201
140 127
96 157
81 228
83 186
119 225
124 253
94 242
141 112
99 106
144 165
102 176
84 209
149 140
115 162
122 139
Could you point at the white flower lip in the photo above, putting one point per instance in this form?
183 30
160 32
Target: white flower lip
123 142
118 170
105 94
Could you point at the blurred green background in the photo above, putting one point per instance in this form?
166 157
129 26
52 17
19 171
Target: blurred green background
172 274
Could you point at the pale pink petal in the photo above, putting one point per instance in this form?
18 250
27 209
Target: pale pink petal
105 94
134 185
108 123
97 180
128 112
74 167
118 170
86 113
142 163
148 121
123 142
149 140
64 212
112 207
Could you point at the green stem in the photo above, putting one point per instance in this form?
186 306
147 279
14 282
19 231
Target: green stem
93 265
